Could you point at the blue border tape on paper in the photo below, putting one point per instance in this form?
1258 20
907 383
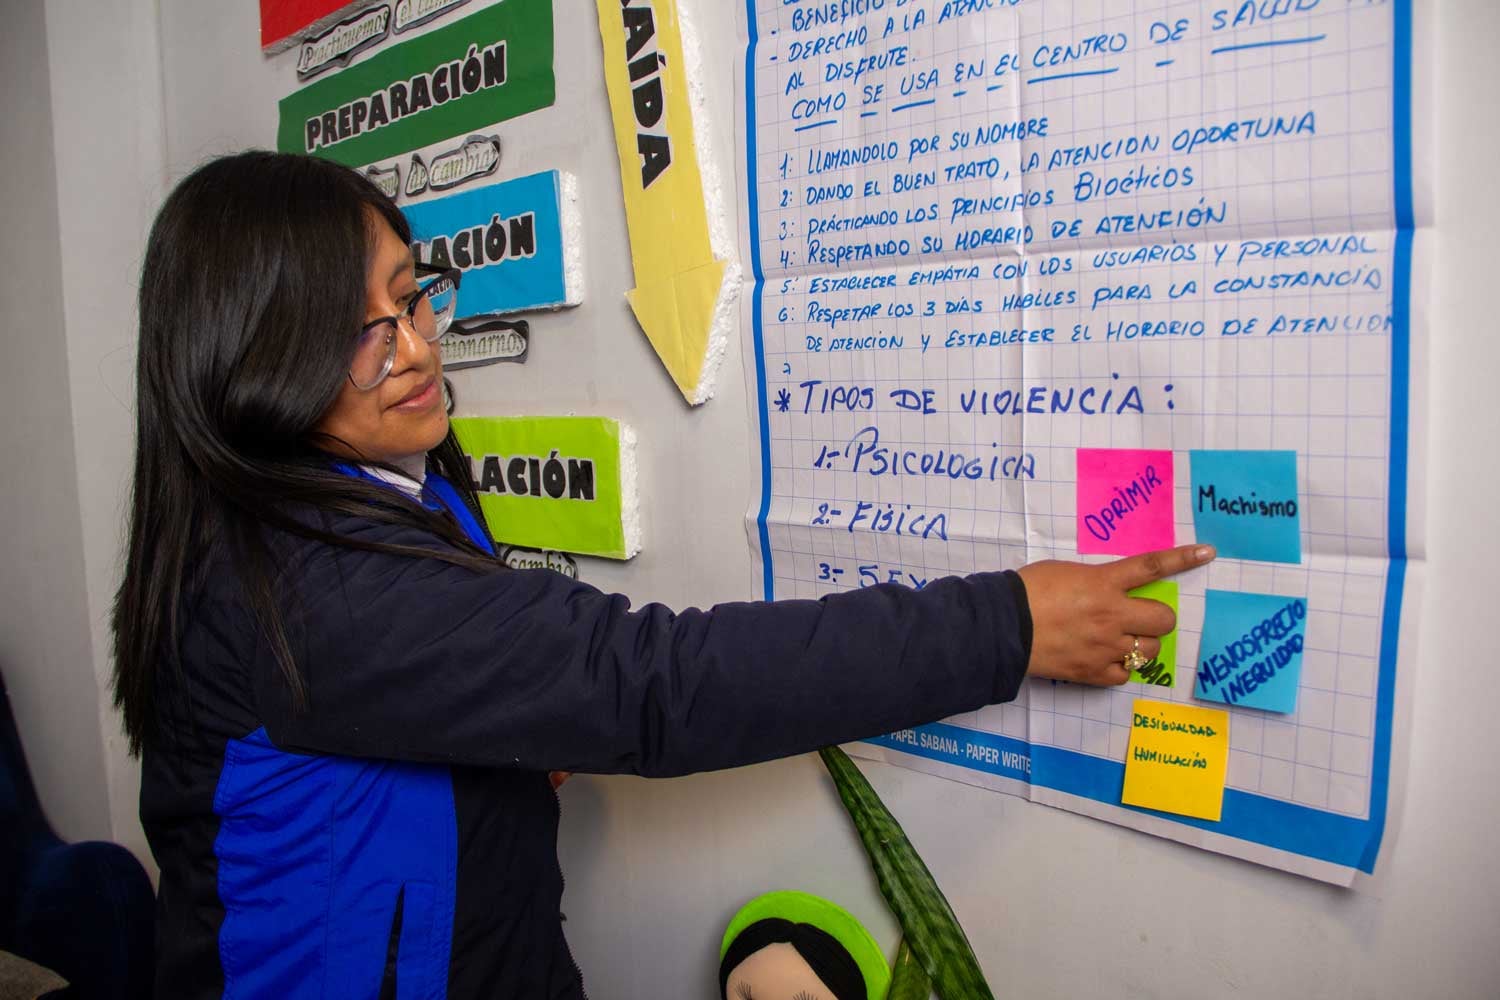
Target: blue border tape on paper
768 580
1390 626
1312 833
527 273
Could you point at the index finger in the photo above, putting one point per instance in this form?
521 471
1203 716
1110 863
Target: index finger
1136 571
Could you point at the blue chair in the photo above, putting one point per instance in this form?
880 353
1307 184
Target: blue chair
85 911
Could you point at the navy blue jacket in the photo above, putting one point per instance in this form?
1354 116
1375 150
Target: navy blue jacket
397 839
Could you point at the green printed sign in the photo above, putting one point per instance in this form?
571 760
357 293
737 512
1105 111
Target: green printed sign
563 483
489 67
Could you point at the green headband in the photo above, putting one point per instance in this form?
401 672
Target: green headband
802 908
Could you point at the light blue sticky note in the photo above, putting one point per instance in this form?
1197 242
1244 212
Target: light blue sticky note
1251 653
1245 504
506 238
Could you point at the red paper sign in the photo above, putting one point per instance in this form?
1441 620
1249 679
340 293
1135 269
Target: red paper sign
282 22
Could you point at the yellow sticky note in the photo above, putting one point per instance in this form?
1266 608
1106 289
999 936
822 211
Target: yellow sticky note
1177 759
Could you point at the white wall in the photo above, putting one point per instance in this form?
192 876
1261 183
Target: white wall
45 653
1056 905
81 149
106 101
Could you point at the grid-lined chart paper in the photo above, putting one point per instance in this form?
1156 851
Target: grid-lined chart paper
1048 279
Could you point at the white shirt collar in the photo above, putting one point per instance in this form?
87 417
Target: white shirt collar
415 474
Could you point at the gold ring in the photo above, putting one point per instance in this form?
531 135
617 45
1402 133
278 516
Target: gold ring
1135 660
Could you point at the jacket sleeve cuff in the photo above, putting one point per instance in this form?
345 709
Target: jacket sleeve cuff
1012 668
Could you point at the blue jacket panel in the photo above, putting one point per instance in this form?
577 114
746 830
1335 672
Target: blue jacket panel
336 874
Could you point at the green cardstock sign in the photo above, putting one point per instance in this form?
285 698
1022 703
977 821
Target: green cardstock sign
489 67
564 483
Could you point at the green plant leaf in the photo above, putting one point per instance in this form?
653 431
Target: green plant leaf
920 907
908 979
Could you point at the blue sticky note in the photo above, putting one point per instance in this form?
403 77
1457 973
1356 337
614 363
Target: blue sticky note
1245 504
1251 653
506 238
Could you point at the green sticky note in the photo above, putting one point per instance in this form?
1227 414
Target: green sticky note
487 68
562 483
1162 671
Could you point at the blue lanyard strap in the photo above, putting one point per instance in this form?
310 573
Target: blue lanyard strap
437 494
449 498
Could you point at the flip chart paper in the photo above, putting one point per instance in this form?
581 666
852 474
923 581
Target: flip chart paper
1245 504
987 237
1252 647
1177 759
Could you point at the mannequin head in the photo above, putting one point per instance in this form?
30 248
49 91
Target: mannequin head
793 946
775 959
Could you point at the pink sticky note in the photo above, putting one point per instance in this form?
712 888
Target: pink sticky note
1124 501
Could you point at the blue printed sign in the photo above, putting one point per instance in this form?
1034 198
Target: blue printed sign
1251 652
1245 504
506 238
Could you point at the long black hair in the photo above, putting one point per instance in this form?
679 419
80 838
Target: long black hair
252 294
824 954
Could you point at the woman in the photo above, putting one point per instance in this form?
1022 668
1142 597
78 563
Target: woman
347 708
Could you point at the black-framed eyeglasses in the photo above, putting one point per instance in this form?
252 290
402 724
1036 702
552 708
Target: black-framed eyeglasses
429 315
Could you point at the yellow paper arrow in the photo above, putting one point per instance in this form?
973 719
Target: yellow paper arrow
678 278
